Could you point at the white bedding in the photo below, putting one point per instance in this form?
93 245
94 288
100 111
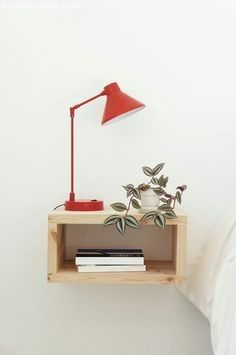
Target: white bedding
223 316
212 286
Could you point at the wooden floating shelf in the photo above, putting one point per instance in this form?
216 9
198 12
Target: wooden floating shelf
158 272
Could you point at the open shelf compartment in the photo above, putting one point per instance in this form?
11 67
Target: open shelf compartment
158 272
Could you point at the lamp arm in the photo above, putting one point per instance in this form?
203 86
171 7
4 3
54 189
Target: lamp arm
72 115
73 108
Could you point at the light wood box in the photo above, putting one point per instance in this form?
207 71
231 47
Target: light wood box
158 272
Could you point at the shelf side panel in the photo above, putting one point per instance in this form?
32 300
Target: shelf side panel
56 247
179 248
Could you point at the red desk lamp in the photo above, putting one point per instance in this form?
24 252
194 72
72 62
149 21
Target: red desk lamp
118 103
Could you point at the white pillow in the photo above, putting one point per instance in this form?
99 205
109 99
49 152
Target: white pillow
203 276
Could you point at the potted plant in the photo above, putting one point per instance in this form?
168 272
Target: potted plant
156 202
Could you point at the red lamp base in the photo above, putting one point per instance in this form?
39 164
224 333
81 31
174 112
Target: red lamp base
84 205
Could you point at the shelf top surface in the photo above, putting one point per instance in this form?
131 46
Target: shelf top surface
98 217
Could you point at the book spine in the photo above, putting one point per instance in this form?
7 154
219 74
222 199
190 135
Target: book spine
114 255
109 260
138 251
111 268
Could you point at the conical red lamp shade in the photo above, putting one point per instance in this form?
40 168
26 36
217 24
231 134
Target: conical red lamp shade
118 103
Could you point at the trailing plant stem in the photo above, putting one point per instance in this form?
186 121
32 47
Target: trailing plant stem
127 211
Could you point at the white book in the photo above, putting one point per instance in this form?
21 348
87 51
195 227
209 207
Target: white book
110 268
109 260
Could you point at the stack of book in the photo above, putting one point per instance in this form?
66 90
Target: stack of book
109 260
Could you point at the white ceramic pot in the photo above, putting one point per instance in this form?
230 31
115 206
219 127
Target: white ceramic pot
149 200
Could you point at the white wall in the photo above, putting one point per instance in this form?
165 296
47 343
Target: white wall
178 57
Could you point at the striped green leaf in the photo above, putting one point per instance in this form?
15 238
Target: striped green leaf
164 200
111 219
160 221
161 180
135 203
170 214
166 179
165 207
128 187
178 197
147 171
130 192
132 222
182 188
118 206
143 187
154 181
159 191
158 168
149 215
137 193
121 224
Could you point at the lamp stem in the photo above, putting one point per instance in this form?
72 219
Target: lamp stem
72 194
72 114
